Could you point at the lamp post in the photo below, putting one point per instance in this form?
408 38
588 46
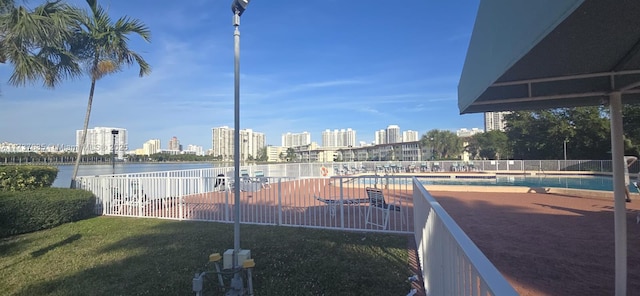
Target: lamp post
237 7
114 133
565 150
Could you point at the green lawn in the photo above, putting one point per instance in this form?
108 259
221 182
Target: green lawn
128 256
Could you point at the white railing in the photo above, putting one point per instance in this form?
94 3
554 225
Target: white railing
451 263
314 170
338 202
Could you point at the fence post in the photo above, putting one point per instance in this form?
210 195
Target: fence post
279 201
226 200
180 200
341 204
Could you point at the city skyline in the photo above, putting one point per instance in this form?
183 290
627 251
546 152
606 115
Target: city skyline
413 136
330 68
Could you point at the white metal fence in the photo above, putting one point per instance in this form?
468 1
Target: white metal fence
339 202
451 263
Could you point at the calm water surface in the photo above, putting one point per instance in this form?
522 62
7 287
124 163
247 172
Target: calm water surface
65 171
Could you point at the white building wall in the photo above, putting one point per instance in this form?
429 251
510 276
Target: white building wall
380 137
339 138
222 142
250 143
410 136
295 140
495 121
393 134
100 140
151 147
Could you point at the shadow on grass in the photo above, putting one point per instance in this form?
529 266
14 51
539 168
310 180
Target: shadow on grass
46 249
11 246
161 259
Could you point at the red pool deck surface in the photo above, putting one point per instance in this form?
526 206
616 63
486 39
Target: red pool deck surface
547 244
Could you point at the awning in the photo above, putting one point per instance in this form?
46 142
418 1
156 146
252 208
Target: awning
528 55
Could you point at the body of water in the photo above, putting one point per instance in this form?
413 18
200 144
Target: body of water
65 171
577 182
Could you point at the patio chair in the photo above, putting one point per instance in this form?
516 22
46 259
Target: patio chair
244 175
377 203
260 178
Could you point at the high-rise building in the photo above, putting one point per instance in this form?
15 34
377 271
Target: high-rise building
463 132
393 134
151 147
348 137
339 138
409 136
495 121
222 142
296 140
194 149
380 137
250 143
101 140
174 144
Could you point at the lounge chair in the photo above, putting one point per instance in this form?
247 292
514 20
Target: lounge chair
260 178
377 203
333 203
244 175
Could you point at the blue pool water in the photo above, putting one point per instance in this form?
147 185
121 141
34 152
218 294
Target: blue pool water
591 183
604 183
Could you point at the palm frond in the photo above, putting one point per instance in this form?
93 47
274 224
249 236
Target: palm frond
34 41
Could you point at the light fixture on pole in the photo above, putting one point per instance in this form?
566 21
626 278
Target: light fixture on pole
114 132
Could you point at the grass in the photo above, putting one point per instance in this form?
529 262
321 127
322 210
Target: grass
128 256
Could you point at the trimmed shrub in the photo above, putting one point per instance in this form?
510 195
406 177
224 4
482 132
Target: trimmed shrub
25 177
32 210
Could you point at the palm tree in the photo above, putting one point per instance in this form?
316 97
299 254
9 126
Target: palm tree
102 46
34 42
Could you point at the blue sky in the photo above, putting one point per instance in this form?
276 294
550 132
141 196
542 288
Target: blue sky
315 65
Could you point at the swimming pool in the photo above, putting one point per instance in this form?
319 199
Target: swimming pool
590 183
604 183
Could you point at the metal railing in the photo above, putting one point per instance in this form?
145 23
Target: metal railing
335 203
451 263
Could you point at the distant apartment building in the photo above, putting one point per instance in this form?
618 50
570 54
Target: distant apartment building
465 133
495 121
296 140
393 134
151 147
174 144
380 137
102 140
250 143
274 153
194 149
409 136
339 138
222 142
7 147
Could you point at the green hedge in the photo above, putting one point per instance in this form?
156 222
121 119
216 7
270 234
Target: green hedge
25 177
32 210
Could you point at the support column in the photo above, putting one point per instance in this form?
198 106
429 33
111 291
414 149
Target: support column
620 222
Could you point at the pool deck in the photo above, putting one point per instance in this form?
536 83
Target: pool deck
548 244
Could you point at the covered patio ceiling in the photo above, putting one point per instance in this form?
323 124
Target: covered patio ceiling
551 53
